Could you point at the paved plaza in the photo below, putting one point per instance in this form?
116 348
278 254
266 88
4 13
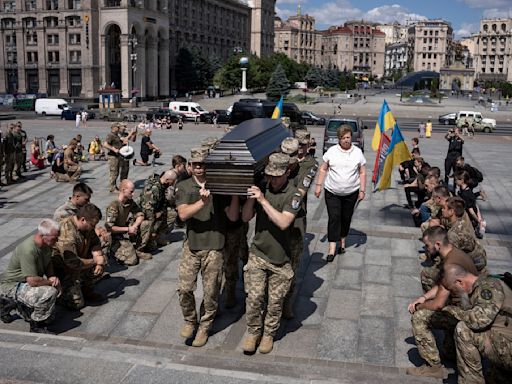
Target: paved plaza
351 322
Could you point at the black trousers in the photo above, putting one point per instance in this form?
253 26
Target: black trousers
419 192
449 164
339 210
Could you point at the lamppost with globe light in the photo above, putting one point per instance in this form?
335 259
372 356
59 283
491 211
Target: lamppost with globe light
244 62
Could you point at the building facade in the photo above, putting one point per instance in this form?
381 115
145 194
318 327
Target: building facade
73 48
297 38
396 59
395 33
429 44
493 50
357 46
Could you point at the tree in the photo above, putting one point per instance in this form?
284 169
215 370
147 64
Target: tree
313 78
347 81
186 75
278 85
331 78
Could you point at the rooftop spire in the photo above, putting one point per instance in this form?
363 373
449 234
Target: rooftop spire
299 9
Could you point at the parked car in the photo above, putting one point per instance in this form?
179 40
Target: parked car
331 129
247 109
51 106
448 118
477 116
114 115
222 116
163 113
24 104
190 110
311 118
477 124
70 114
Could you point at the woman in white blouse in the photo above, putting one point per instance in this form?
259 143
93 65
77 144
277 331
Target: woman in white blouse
344 173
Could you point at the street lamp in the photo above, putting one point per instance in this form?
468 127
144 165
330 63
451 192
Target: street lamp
244 62
133 59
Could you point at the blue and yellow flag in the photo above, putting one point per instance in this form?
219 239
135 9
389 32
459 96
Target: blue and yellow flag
278 111
385 122
397 153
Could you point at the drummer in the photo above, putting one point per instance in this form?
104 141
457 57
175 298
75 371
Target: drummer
118 165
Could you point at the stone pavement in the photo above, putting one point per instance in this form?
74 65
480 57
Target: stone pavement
350 314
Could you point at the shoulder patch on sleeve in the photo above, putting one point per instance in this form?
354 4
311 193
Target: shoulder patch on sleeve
486 294
306 182
296 199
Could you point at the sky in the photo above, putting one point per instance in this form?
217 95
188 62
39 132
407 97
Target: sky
464 15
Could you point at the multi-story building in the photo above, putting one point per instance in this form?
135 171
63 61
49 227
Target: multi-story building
357 46
396 59
493 50
395 32
297 38
75 47
429 43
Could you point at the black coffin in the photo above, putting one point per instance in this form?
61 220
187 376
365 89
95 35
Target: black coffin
238 161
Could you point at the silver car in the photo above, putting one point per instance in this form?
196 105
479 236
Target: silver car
331 129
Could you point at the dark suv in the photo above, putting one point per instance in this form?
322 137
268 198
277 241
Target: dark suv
331 128
247 109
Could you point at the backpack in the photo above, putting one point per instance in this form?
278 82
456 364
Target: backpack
476 174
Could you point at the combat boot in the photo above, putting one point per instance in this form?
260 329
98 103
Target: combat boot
39 327
250 343
144 255
266 345
201 338
437 371
187 330
230 298
6 307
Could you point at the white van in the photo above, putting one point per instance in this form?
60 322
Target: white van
189 110
51 106
477 116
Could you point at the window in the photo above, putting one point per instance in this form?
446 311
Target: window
53 56
75 57
52 39
10 6
31 38
73 21
10 40
74 4
29 22
12 58
52 5
8 23
117 3
51 22
32 57
74 39
30 5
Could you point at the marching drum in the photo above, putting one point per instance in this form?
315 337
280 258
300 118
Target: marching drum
127 152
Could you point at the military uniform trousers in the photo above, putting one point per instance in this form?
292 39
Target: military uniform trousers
297 249
147 228
429 277
10 161
20 159
235 249
491 344
40 299
210 264
73 171
123 249
423 322
72 283
117 167
260 274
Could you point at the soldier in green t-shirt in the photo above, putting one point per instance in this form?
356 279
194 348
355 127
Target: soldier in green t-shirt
269 268
30 280
205 216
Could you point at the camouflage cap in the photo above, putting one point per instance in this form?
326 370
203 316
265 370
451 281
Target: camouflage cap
198 155
277 164
210 142
290 146
115 125
303 136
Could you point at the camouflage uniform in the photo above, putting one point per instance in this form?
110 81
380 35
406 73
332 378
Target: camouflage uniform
2 159
29 260
65 210
236 249
10 156
269 266
465 240
202 252
72 246
484 330
171 214
20 154
118 214
116 164
152 201
73 171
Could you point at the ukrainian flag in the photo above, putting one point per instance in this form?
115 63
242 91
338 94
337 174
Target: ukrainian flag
397 153
278 111
385 122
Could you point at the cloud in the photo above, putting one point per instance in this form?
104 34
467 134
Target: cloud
466 30
495 13
486 3
294 2
284 13
334 13
392 13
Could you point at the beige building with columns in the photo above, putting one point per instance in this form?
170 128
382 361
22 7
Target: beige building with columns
73 48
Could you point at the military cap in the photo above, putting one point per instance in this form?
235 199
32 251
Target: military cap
290 146
277 164
303 136
198 155
210 142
